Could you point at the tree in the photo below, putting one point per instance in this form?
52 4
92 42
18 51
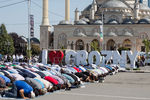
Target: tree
146 43
6 42
35 49
20 44
95 46
122 49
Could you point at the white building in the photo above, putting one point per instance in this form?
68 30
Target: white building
126 24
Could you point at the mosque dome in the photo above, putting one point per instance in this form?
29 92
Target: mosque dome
96 34
81 22
98 22
80 34
35 40
128 21
144 21
112 34
113 21
88 8
128 34
64 22
114 4
144 7
85 19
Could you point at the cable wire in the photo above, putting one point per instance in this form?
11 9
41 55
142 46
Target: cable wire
48 10
12 4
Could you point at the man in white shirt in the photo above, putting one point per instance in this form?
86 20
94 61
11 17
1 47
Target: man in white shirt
14 58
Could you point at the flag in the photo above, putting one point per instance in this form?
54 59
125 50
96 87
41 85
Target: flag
101 33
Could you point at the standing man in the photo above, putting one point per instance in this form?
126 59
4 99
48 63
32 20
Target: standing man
14 58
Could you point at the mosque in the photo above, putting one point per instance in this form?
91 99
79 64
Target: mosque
126 23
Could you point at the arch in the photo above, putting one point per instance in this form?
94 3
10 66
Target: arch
128 31
143 36
143 21
95 32
62 41
113 18
95 46
79 44
79 32
128 21
112 30
111 45
127 44
96 29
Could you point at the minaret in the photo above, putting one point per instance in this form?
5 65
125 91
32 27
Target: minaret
67 10
92 13
136 9
76 15
94 4
45 19
45 27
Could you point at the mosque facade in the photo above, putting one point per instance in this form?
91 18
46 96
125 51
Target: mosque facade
126 23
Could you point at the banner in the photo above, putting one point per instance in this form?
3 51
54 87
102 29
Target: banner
101 33
31 25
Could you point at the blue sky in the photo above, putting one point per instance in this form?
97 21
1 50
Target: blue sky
15 17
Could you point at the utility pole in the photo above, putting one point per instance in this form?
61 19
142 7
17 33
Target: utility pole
29 45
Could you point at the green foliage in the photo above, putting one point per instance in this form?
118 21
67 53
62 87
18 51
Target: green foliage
95 46
35 49
29 53
128 69
3 29
146 42
122 48
136 69
20 44
6 42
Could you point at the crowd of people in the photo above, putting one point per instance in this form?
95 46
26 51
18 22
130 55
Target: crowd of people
17 58
29 81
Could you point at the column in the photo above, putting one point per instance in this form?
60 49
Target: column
67 10
45 19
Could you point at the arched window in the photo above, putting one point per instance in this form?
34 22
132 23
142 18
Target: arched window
79 45
127 44
111 45
79 32
113 18
62 41
143 36
95 45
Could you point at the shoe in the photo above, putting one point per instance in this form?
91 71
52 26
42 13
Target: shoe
2 94
68 89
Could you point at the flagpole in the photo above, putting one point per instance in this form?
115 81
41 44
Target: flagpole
102 27
29 45
101 32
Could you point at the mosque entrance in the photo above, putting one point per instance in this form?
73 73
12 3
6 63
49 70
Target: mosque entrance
95 45
79 45
111 45
127 44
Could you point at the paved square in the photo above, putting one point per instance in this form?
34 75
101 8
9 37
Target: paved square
122 86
